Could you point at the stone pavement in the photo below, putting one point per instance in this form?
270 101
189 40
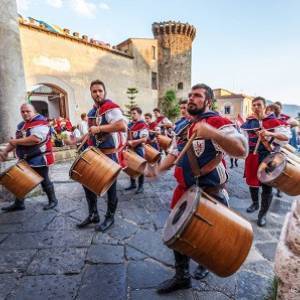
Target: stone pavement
44 256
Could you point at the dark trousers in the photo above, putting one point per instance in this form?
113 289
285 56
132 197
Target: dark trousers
112 200
44 172
266 198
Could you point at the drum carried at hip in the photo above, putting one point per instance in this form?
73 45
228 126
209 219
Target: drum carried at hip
281 170
209 232
151 154
94 170
20 179
133 164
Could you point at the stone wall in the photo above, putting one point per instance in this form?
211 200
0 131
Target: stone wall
71 63
174 57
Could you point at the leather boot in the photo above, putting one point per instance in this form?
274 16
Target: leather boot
200 272
231 163
182 278
278 194
17 205
93 216
109 216
254 196
52 201
141 185
132 185
266 200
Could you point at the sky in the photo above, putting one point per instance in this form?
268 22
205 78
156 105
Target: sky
249 47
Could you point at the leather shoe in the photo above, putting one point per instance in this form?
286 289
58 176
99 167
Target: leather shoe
50 205
262 221
200 273
253 207
174 284
107 223
17 205
88 220
140 190
131 187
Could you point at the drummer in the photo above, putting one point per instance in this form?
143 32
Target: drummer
152 131
33 144
216 135
137 135
261 130
107 130
162 122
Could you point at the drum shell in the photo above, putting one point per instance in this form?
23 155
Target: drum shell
151 154
95 170
287 181
215 237
20 179
164 141
135 164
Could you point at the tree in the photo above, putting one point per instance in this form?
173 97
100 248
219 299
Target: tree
131 94
170 105
214 105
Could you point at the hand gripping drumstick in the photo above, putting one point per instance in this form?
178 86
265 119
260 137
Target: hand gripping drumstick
82 143
185 149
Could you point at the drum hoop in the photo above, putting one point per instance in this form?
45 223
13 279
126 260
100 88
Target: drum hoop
272 155
77 160
2 174
188 219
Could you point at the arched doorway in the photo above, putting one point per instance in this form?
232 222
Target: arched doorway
49 100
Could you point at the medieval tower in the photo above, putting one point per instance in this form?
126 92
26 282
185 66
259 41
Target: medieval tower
174 57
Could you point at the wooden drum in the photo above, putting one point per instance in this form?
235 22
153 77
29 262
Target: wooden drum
151 154
209 232
134 164
164 141
280 171
94 170
20 179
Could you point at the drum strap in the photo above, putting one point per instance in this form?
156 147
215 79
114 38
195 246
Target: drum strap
207 168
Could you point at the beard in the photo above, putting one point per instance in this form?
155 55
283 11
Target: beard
193 110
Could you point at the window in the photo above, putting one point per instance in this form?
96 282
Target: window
180 86
154 81
153 52
227 109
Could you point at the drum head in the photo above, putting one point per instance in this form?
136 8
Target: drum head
181 214
271 167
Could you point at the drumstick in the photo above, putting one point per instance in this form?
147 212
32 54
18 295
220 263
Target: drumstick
82 143
185 149
257 145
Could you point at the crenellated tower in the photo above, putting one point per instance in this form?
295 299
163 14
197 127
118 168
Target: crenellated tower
174 56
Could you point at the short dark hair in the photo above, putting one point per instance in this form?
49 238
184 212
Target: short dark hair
148 115
278 103
137 109
97 81
260 99
209 94
183 101
82 116
156 109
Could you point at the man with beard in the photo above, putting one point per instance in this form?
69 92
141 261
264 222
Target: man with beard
33 144
107 128
262 130
215 136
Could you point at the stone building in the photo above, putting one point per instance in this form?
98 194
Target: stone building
59 66
233 105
